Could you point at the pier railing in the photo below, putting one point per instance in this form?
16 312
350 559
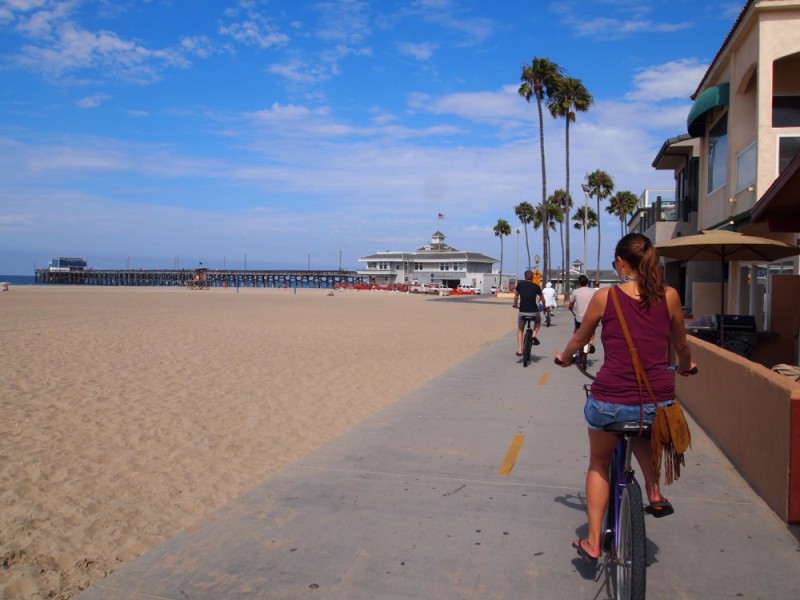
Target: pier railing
215 278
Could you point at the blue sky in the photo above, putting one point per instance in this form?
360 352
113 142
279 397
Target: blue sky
155 133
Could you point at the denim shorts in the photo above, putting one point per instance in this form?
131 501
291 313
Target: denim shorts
598 414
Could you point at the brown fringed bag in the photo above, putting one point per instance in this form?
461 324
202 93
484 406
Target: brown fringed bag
670 436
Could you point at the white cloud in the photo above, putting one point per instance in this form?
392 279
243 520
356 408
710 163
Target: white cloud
58 47
675 79
503 105
288 112
92 101
420 51
298 71
343 21
254 34
13 222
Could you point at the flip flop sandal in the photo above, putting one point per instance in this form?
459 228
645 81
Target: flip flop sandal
660 509
578 545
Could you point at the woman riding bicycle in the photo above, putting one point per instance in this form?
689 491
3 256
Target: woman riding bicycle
655 318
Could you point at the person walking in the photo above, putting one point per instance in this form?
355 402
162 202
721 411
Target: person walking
654 316
527 297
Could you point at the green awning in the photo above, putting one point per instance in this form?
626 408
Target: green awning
711 98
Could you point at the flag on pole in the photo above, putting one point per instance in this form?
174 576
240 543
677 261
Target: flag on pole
441 216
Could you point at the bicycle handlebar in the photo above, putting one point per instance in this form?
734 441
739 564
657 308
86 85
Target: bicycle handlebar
692 371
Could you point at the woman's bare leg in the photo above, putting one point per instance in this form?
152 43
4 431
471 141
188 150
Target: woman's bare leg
643 452
601 447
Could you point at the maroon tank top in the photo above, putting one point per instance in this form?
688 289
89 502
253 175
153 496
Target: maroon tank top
650 329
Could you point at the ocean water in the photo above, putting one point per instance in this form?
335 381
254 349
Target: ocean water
19 279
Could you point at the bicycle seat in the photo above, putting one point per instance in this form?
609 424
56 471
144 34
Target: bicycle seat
629 427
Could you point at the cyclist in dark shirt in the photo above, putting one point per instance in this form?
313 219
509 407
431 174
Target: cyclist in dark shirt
527 297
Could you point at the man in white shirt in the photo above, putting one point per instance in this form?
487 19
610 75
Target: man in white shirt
549 293
579 302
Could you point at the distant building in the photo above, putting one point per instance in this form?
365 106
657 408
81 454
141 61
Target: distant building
64 263
436 262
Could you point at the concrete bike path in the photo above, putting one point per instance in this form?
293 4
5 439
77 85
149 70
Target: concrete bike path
411 505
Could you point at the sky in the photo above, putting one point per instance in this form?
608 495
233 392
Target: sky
301 133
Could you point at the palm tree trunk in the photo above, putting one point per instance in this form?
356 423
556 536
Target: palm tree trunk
544 170
565 251
500 285
598 240
563 262
527 246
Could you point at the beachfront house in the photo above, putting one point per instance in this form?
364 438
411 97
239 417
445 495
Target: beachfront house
736 167
435 262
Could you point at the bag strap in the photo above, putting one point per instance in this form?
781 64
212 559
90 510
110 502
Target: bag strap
641 376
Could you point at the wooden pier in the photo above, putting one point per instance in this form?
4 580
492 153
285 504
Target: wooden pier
212 278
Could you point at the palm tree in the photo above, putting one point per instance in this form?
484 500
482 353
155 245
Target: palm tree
563 202
501 228
599 186
539 79
524 210
569 97
621 205
544 216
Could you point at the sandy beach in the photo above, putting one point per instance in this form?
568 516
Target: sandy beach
130 413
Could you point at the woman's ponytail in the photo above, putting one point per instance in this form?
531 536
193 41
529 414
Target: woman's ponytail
637 250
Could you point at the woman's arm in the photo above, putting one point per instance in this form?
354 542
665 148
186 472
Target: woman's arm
594 313
677 331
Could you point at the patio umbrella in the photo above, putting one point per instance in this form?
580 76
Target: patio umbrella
725 246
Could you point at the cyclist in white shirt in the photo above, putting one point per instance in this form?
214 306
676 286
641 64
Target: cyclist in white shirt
579 302
549 293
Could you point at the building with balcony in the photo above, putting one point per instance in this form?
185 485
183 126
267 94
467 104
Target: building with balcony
743 133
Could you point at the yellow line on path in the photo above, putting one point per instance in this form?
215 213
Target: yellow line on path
543 379
511 455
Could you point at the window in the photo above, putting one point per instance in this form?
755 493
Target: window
786 111
746 168
718 154
788 148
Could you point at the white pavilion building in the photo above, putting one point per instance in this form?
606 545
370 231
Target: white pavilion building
436 262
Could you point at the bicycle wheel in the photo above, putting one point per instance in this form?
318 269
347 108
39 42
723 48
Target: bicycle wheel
527 344
547 318
629 564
